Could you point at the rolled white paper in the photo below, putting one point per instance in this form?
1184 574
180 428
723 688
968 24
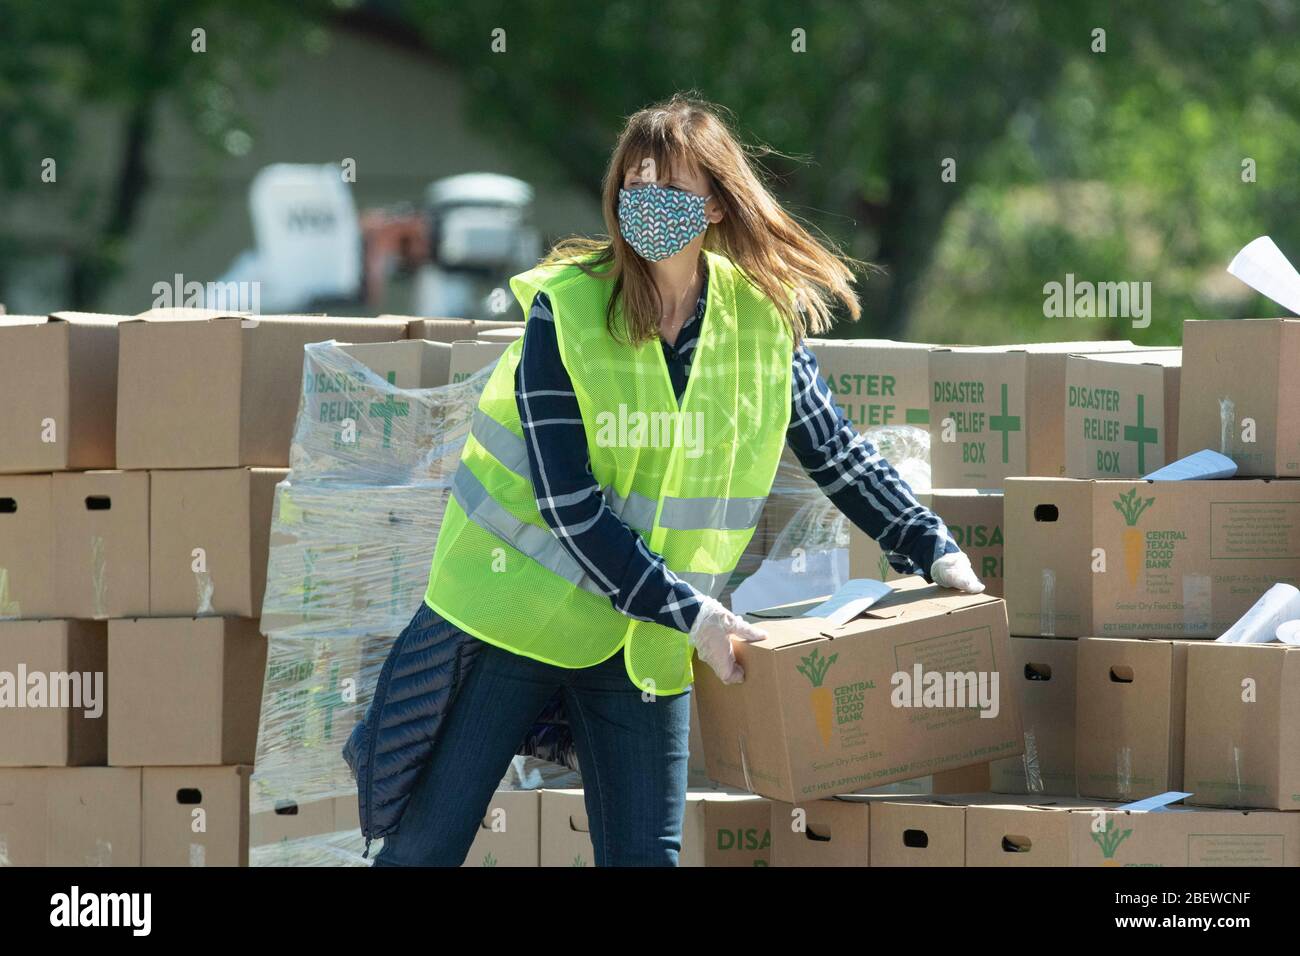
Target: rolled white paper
1259 625
1288 632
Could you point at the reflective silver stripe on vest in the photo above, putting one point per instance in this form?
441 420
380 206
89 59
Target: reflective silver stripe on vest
636 510
724 514
504 445
710 584
539 543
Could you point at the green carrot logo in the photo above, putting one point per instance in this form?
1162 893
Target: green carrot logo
1131 507
884 567
814 667
579 861
1109 840
489 860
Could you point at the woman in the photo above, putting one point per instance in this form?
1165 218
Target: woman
617 465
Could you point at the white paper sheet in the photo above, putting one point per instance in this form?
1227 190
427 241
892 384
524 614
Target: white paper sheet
1262 266
850 600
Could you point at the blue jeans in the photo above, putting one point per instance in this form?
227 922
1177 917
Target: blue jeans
632 754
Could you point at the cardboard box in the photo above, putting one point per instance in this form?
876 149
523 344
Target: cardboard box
974 778
363 420
1043 669
1132 696
918 833
347 813
184 691
816 716
201 389
510 832
93 816
1243 725
726 828
467 358
58 387
22 817
53 711
292 820
719 828
209 533
566 832
1180 558
101 544
867 559
1006 404
1072 833
1241 393
412 363
1121 413
1024 833
194 816
697 771
449 330
506 334
833 832
876 381
347 558
26 546
974 519
1183 836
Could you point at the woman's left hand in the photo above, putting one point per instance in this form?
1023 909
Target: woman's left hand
954 571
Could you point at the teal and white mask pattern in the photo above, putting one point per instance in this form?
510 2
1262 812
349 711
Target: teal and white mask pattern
659 222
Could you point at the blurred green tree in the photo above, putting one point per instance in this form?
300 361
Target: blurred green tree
73 62
1159 111
1115 164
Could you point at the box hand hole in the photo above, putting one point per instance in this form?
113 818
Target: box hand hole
811 834
916 839
1038 671
1011 843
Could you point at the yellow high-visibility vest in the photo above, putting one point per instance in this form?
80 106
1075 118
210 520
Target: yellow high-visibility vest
690 479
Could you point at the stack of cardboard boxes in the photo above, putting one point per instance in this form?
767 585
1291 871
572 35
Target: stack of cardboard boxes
378 435
205 530
1154 572
1113 689
139 456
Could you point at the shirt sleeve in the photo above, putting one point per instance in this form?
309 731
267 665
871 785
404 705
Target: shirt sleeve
853 475
636 580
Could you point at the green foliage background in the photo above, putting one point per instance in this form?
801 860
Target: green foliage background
1112 166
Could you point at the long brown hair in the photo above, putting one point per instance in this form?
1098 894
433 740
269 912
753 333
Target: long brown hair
778 254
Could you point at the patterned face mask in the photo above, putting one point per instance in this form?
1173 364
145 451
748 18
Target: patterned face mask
659 222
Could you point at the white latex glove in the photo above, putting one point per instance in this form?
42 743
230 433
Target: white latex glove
954 571
711 638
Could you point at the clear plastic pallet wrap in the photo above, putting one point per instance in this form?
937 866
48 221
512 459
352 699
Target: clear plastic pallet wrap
352 534
800 525
342 848
349 559
316 690
358 428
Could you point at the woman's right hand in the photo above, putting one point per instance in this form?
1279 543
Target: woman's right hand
711 636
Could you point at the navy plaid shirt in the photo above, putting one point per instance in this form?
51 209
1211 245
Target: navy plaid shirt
848 469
